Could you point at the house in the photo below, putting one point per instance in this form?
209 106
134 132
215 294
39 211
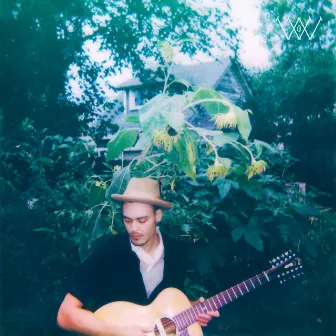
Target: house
224 76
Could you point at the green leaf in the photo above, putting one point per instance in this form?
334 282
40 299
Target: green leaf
119 182
234 222
243 123
44 230
166 50
171 110
182 81
259 147
201 193
212 107
187 148
224 187
220 138
237 233
253 238
149 110
46 160
125 138
150 117
239 147
305 210
96 195
173 156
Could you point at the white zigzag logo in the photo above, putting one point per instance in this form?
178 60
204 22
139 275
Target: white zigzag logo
298 28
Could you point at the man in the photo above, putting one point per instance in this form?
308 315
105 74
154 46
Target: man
134 266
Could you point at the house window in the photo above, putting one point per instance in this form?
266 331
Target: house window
140 97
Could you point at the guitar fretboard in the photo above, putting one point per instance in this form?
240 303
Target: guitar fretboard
189 316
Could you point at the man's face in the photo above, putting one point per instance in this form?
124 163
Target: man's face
140 221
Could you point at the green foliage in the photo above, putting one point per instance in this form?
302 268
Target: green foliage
46 44
216 107
133 120
124 139
295 97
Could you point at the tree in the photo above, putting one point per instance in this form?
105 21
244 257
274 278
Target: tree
43 38
296 96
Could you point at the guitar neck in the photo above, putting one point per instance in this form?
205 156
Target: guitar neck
189 316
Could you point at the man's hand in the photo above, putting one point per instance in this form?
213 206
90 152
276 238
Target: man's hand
204 319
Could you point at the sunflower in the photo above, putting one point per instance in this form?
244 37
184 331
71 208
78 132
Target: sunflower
165 139
227 120
217 170
257 167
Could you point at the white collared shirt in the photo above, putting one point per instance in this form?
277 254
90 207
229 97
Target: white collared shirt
151 267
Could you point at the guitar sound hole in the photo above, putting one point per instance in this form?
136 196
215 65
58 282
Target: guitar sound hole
168 326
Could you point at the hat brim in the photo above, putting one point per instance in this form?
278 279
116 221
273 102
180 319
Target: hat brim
139 199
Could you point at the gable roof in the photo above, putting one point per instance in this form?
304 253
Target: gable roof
204 74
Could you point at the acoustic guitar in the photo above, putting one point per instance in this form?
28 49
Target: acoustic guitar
171 313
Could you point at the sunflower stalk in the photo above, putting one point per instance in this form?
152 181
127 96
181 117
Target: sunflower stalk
206 139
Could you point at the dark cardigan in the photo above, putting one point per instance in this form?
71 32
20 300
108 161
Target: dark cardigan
112 273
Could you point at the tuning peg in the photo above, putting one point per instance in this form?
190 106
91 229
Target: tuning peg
286 253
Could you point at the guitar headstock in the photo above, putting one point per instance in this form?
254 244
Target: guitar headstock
285 267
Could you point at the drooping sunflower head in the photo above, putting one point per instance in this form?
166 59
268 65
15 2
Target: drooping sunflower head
165 138
257 167
226 120
217 170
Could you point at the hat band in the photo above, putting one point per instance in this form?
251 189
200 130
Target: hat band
141 194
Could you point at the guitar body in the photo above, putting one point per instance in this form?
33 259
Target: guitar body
159 313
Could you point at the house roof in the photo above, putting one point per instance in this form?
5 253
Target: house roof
204 74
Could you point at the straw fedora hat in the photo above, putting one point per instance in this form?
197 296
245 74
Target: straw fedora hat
142 190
